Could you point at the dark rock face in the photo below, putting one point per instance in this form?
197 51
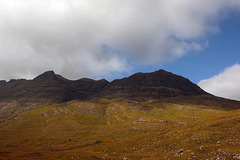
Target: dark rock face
52 87
49 87
155 85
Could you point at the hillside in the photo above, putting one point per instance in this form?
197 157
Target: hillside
147 116
122 129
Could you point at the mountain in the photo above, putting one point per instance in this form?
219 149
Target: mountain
53 87
157 84
49 87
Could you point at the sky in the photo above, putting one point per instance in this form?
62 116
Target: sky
114 39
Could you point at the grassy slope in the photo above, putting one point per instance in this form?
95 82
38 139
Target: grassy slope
117 128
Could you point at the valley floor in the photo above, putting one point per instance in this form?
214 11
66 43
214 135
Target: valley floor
119 129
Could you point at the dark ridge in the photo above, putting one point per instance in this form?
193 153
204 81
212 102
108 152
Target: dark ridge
49 87
155 85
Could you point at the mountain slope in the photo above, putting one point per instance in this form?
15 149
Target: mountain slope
117 129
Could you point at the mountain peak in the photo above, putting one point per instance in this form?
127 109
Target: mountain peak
48 75
164 71
161 70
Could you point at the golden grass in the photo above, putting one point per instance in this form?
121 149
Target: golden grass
118 128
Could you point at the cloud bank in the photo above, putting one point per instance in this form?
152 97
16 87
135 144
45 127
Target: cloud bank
90 38
225 84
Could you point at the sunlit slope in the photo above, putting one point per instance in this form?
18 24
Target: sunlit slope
118 129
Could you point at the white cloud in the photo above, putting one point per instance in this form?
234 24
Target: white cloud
71 36
225 84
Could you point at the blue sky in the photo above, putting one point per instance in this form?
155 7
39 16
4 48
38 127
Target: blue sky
222 51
